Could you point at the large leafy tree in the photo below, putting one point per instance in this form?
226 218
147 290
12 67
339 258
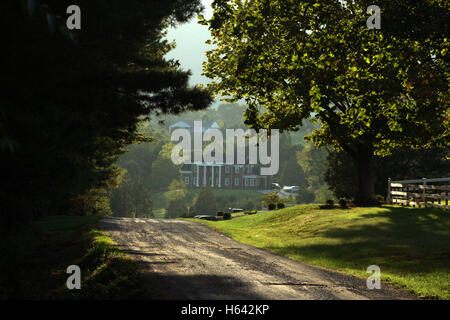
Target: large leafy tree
371 90
71 101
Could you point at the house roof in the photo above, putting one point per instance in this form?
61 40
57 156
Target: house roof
188 124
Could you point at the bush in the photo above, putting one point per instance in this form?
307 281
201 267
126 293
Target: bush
269 198
271 206
343 203
250 212
226 216
280 205
329 204
379 198
220 213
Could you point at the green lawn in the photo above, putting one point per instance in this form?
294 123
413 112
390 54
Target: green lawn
411 246
33 263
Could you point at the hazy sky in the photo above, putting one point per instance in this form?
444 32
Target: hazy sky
191 47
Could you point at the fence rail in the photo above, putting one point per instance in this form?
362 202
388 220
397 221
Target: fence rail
424 192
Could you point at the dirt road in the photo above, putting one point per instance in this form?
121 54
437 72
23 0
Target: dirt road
191 261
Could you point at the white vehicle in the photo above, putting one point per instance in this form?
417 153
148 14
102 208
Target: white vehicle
291 189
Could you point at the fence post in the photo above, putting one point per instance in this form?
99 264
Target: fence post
446 197
406 189
424 198
389 198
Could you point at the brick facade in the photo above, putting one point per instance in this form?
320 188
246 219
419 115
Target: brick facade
225 176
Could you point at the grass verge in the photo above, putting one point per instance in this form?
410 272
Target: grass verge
33 263
411 246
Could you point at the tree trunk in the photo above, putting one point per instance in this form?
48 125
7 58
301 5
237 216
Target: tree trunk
364 159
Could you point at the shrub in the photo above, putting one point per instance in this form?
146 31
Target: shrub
226 216
271 206
269 198
379 198
280 205
343 203
329 204
220 213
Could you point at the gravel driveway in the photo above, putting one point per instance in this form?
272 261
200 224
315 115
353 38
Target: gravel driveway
191 261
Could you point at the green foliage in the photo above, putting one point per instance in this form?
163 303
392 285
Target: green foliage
343 203
205 202
313 162
249 204
163 172
372 91
304 196
271 206
177 208
379 198
220 213
280 205
226 216
131 199
329 202
290 172
75 99
322 194
270 198
177 184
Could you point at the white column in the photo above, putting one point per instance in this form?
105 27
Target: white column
212 176
204 175
220 176
198 175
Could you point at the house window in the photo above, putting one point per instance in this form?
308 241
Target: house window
252 182
186 180
195 168
195 180
246 182
236 181
227 181
236 169
227 169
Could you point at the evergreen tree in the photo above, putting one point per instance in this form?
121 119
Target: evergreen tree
73 100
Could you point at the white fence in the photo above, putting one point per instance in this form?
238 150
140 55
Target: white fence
423 192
